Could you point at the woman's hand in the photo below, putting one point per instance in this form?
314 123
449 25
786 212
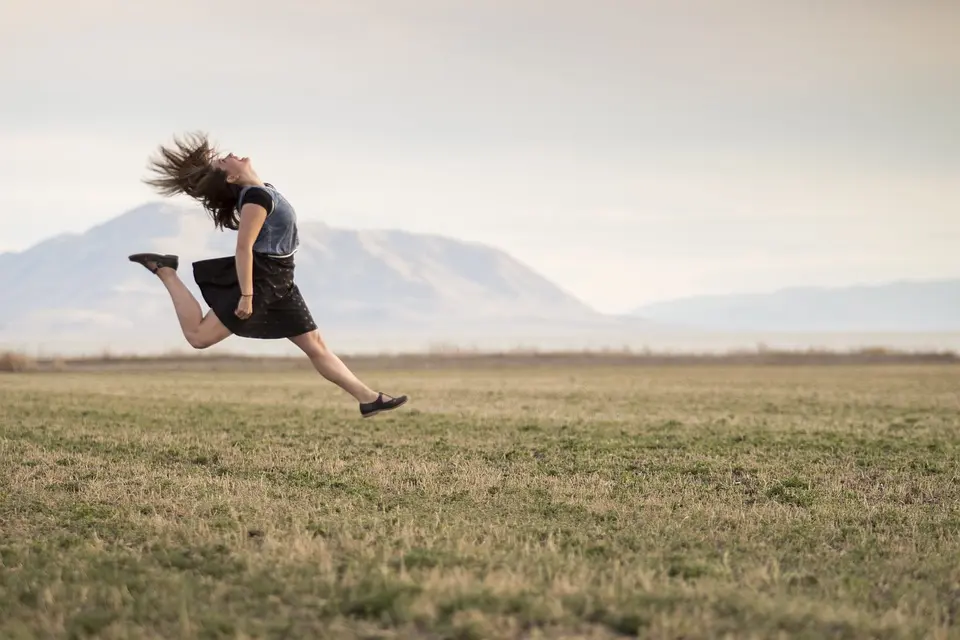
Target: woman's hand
244 307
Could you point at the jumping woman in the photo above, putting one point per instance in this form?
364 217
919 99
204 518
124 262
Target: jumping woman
251 294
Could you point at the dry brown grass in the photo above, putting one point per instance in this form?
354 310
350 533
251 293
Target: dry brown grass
502 503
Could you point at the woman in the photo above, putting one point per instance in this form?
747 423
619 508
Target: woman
251 294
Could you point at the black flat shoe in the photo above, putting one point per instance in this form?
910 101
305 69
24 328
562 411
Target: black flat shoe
158 260
368 409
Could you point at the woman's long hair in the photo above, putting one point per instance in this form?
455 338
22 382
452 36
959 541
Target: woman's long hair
187 167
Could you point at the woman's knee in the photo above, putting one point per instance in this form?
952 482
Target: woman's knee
200 339
197 342
210 332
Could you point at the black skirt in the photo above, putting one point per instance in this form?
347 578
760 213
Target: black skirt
278 308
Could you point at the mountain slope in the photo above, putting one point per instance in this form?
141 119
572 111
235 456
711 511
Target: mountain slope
900 306
83 285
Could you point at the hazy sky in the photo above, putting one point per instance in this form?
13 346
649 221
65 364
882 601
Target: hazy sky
628 150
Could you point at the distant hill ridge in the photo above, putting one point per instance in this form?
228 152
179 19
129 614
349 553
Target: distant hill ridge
380 282
916 306
389 290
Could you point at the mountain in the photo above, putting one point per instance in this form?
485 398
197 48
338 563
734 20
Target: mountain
379 288
920 306
391 291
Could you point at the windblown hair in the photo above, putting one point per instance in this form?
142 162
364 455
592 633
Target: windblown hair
187 167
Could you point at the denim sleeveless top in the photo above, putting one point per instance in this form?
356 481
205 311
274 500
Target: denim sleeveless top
278 237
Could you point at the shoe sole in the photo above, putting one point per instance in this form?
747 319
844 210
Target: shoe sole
396 406
138 258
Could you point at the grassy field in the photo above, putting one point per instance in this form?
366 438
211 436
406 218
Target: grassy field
588 502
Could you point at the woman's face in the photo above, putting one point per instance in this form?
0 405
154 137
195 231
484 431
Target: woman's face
237 169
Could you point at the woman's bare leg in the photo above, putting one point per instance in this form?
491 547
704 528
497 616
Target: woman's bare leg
200 331
332 368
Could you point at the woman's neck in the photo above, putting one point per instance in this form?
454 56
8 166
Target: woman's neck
251 180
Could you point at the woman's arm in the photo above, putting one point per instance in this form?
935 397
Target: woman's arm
251 220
